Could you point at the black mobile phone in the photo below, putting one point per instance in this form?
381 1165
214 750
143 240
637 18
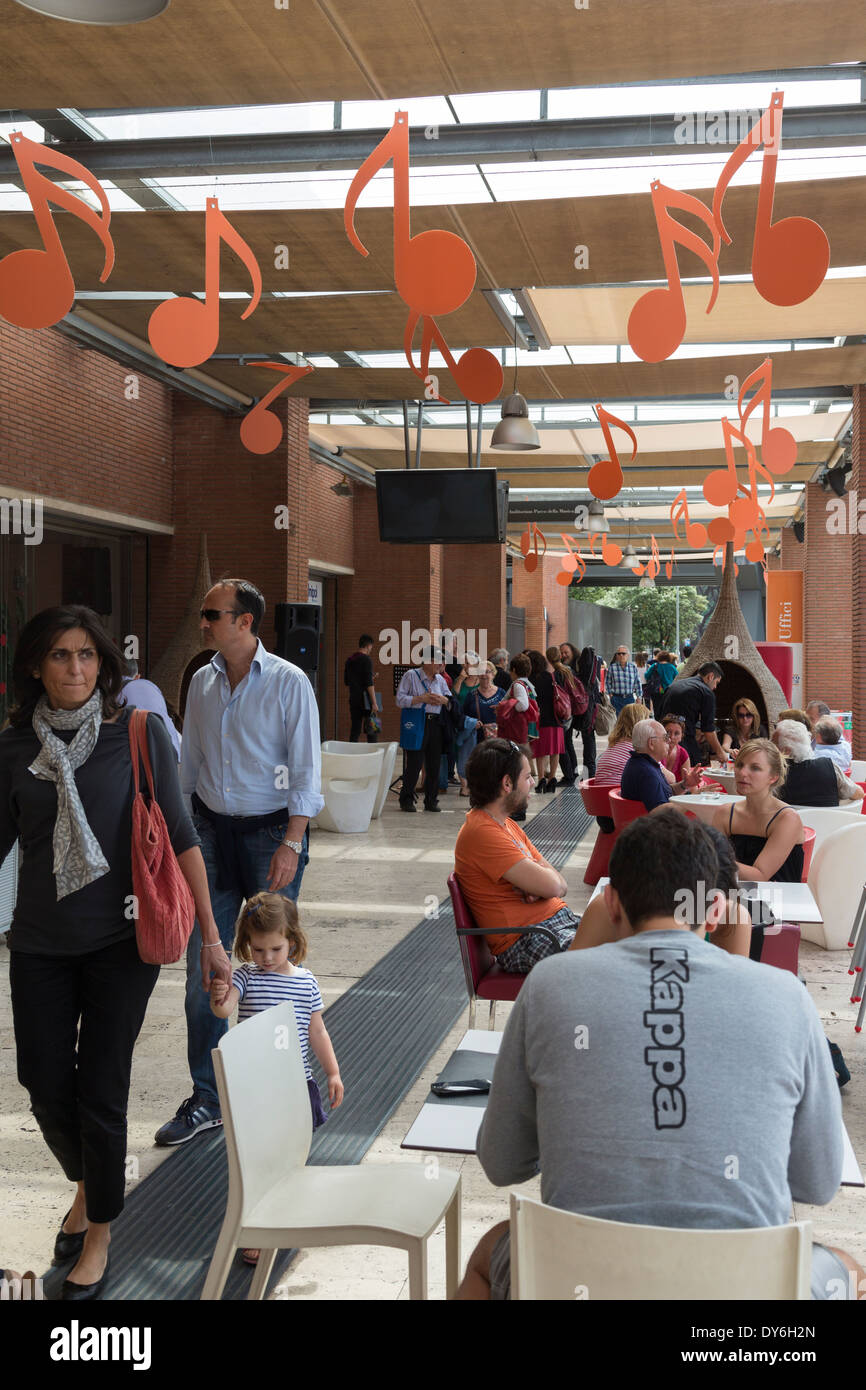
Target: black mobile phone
460 1088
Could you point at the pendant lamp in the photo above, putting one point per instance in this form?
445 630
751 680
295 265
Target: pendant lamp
596 519
98 11
515 430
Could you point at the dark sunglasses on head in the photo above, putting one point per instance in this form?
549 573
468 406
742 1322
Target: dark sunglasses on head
213 615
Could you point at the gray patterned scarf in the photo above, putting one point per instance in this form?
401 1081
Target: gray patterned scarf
78 858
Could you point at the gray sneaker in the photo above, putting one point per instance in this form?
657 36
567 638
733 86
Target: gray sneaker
193 1116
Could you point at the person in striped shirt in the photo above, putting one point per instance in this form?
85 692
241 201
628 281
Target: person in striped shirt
271 945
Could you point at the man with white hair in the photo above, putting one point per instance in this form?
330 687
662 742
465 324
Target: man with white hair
830 742
500 658
810 781
642 778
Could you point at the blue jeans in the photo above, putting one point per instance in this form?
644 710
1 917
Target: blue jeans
204 1029
619 702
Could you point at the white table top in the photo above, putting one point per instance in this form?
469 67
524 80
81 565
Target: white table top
788 902
705 804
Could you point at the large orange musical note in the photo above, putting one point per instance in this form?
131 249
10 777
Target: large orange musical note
261 430
36 287
657 323
434 271
605 477
529 540
789 257
186 331
723 484
570 564
695 532
778 445
477 372
610 551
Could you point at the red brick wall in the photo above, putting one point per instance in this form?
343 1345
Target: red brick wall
330 532
537 591
67 431
474 591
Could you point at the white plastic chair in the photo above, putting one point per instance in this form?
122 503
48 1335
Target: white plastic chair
563 1256
836 879
276 1203
826 820
386 775
858 770
350 785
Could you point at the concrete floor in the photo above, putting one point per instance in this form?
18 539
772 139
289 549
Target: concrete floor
361 895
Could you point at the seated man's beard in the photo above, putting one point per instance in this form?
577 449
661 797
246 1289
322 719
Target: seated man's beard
516 801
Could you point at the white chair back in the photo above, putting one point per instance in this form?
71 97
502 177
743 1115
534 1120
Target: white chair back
836 878
563 1256
352 767
825 820
858 770
265 1101
386 766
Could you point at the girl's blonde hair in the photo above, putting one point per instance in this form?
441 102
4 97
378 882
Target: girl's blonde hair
266 912
629 715
777 760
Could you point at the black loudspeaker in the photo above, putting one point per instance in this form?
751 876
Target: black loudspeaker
298 626
799 529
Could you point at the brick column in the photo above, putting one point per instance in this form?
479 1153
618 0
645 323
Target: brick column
828 657
473 593
857 484
538 591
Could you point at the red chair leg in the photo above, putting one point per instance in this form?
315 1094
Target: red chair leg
600 857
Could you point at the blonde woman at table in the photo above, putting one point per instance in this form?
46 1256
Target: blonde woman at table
766 833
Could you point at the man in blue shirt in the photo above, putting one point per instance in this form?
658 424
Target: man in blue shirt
251 761
424 688
642 778
623 680
144 694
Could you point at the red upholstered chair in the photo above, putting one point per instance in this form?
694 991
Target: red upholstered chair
782 946
484 978
596 800
623 810
808 846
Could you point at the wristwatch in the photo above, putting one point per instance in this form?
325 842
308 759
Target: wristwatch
296 845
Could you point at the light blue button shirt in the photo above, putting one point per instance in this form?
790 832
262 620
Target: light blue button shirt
415 682
253 749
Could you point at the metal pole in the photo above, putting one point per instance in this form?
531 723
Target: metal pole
418 435
678 622
469 433
406 453
478 437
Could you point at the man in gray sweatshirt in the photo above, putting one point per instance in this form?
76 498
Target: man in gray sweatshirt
658 1080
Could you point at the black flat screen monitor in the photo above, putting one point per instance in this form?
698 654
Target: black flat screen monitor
438 506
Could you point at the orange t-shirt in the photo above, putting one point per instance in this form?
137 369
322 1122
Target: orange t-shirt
485 850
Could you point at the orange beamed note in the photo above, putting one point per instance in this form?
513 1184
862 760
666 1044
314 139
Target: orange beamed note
36 287
434 271
778 445
477 372
657 323
789 257
185 332
610 551
570 564
261 430
723 484
529 541
653 564
605 477
695 532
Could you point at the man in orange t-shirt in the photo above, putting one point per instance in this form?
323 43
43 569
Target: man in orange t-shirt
504 879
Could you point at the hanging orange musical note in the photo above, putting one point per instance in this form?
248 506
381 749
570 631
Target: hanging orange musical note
790 257
695 532
720 531
570 564
261 430
477 372
778 445
606 477
671 563
610 551
657 323
723 484
653 564
529 540
434 271
721 547
36 287
183 331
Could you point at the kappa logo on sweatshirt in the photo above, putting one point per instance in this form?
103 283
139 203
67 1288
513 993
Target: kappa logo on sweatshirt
666 1058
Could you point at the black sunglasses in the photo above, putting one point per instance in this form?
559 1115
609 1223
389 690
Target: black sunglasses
213 615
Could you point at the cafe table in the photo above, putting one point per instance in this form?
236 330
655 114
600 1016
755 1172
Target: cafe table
704 804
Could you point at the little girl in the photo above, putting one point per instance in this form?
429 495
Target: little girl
272 945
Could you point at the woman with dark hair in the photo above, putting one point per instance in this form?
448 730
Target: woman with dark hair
550 742
79 988
588 671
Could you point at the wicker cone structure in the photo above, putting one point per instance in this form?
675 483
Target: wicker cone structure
746 675
186 645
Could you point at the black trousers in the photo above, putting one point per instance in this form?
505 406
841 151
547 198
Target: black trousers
429 756
76 1021
358 713
587 733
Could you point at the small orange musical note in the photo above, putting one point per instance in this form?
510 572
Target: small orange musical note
695 532
721 547
653 564
529 540
723 484
184 331
605 477
610 551
657 323
434 271
36 287
261 430
671 563
789 257
570 564
720 531
778 445
477 372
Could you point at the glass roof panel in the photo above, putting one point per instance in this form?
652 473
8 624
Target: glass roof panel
589 102
476 108
368 115
224 120
428 187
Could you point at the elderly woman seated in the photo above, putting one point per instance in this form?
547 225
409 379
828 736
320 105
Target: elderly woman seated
830 742
810 781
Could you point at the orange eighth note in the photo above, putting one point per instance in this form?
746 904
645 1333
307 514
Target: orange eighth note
261 429
657 323
477 372
36 287
605 477
184 332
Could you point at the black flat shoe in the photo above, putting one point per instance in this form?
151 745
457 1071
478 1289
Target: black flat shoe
80 1293
66 1246
432 808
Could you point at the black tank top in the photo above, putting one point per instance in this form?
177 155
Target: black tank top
748 847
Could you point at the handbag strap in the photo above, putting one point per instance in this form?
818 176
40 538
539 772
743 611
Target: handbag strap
139 749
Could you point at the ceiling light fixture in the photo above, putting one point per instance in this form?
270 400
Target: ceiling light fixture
647 582
515 430
342 488
596 519
98 11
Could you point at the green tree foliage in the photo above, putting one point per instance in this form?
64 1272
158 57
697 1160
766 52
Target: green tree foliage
654 611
